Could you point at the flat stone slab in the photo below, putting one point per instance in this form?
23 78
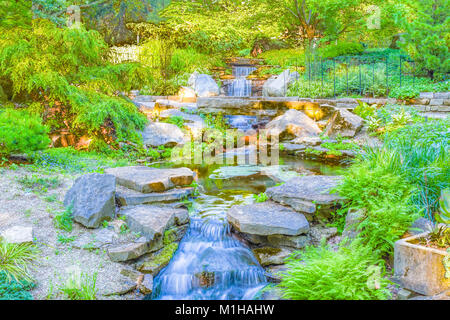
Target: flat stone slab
303 194
128 197
152 221
147 180
18 234
129 251
267 218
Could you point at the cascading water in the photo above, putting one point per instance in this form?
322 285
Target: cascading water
210 263
240 86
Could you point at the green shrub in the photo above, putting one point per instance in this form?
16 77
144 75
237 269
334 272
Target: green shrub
284 57
64 74
350 273
11 289
21 132
341 49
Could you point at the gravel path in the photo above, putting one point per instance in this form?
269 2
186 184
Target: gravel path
22 207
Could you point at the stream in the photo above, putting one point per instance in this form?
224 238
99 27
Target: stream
211 262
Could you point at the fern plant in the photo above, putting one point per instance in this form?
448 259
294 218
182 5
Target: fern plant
350 273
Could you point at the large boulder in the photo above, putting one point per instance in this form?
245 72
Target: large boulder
277 86
152 221
293 124
162 134
146 180
203 85
92 198
266 219
343 123
309 194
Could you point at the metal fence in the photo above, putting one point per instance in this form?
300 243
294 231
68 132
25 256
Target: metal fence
366 75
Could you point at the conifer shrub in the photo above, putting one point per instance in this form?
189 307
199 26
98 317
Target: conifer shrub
63 74
21 132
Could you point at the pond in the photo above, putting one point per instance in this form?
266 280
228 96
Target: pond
212 262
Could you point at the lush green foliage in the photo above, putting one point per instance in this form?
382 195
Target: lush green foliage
63 75
63 220
21 132
428 39
351 273
341 49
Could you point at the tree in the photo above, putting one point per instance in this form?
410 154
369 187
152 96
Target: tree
427 39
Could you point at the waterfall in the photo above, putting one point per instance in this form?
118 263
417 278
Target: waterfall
210 263
240 86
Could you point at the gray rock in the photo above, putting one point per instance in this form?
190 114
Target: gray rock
146 286
92 197
271 256
297 242
309 194
404 294
152 221
128 197
18 235
436 102
421 225
308 141
343 123
442 95
131 273
203 85
99 239
319 233
267 218
426 95
129 251
353 218
293 124
291 148
162 134
147 180
119 287
277 86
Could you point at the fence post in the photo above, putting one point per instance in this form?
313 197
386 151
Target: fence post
360 79
321 71
348 64
387 74
373 77
334 81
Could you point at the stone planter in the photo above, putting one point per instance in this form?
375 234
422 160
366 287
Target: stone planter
420 268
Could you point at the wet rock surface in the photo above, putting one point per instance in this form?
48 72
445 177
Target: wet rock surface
267 218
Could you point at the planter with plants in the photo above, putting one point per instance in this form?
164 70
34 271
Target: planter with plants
421 262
